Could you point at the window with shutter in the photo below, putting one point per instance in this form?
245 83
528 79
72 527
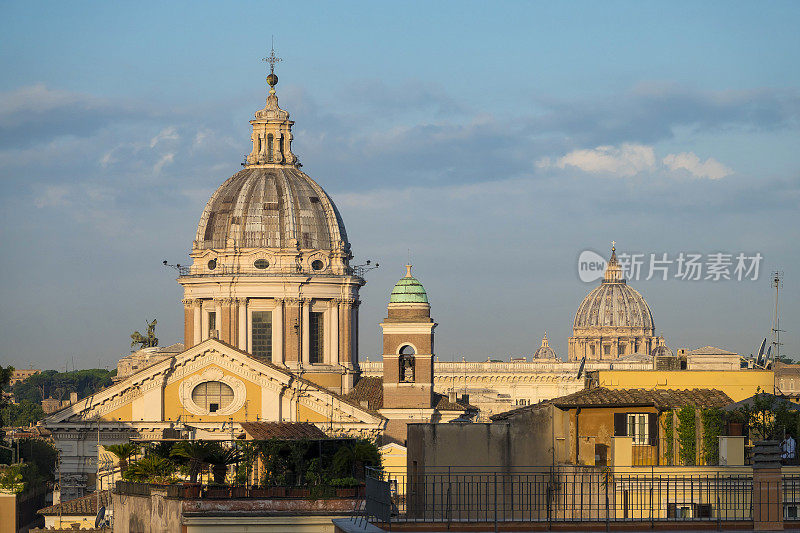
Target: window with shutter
652 425
620 424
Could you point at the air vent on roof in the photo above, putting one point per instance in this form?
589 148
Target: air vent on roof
314 199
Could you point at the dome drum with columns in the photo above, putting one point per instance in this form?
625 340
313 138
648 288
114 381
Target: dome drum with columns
270 269
613 320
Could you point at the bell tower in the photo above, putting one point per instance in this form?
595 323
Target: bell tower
408 347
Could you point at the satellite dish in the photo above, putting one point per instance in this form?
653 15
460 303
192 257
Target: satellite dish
101 515
580 368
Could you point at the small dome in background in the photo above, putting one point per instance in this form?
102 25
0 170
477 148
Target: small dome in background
545 351
408 290
661 350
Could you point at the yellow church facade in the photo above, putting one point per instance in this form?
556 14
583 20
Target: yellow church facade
202 393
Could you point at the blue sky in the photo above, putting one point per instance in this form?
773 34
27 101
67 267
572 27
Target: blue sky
494 141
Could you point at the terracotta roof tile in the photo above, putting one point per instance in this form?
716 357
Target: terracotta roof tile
84 506
370 390
282 430
662 399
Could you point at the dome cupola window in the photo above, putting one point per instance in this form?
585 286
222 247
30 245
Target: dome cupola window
212 264
317 264
261 264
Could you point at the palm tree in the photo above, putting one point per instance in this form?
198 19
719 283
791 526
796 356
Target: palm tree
123 452
220 459
149 468
196 452
350 459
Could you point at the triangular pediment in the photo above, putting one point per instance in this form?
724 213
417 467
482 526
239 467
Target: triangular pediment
167 387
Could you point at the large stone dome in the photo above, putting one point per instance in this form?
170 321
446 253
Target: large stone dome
613 320
614 304
278 207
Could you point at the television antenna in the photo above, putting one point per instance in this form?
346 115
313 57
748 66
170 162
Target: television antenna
777 283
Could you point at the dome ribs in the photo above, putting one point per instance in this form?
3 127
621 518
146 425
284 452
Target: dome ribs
268 208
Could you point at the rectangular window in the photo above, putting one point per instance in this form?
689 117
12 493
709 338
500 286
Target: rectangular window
261 332
212 325
638 428
317 337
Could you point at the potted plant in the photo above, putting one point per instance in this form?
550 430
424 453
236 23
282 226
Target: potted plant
346 487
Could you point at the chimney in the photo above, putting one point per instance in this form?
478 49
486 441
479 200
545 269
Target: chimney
452 396
73 397
465 398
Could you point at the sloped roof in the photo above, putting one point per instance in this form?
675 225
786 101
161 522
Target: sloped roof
83 506
370 390
283 430
711 350
74 412
662 399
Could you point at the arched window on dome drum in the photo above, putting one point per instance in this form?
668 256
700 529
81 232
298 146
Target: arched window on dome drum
270 143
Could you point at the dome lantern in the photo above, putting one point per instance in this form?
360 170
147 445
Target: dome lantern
272 129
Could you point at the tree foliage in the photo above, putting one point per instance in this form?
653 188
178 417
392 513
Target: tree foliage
26 413
769 418
687 436
713 425
59 384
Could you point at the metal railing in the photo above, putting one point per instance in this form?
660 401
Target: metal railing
559 494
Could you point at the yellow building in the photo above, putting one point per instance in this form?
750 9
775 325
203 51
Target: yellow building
738 384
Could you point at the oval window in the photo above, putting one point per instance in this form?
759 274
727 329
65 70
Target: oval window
316 264
212 396
212 264
261 264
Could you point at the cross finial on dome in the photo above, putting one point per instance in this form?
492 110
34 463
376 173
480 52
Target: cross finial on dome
272 79
613 245
408 271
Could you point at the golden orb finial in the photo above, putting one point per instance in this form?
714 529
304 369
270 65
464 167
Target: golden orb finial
272 78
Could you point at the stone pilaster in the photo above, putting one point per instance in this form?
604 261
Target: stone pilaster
188 323
197 327
306 329
278 332
292 329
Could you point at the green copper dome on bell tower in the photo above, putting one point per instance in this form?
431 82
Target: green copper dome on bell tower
408 290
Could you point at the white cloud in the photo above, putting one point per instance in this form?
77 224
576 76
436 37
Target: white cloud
167 134
627 160
631 159
710 168
165 160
